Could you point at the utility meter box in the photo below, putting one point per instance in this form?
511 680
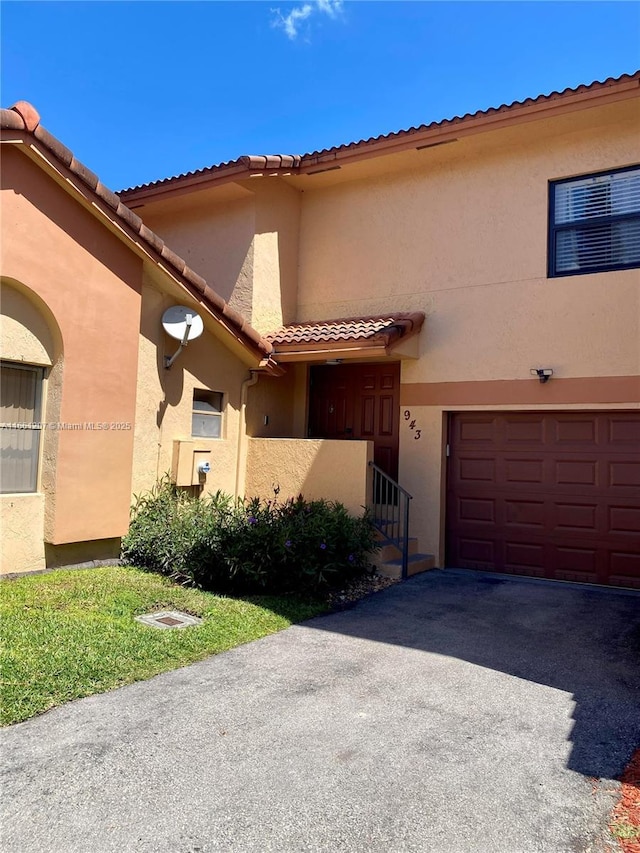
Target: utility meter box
190 464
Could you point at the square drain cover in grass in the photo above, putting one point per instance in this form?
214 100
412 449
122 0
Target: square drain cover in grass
168 619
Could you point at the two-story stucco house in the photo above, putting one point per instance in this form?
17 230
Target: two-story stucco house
458 303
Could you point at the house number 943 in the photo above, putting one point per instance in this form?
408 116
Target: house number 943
412 424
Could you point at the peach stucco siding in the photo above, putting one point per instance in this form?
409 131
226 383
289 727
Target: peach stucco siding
164 401
247 246
315 468
86 287
216 239
463 237
457 231
79 302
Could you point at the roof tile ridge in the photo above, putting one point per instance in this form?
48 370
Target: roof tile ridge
23 116
247 161
296 161
488 111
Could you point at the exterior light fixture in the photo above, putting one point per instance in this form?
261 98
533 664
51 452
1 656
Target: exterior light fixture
544 374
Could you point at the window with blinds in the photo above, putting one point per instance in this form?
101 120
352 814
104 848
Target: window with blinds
594 223
20 427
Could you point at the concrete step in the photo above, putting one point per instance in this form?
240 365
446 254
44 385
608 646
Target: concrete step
393 550
417 563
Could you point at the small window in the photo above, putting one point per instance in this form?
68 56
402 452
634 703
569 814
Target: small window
594 223
20 401
206 418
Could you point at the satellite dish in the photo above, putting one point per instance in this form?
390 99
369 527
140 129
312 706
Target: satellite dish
184 324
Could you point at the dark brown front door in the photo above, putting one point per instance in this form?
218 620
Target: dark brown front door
358 401
554 495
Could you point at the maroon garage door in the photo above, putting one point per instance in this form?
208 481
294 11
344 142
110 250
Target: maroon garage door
553 495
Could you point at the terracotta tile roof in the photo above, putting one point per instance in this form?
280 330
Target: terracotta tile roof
374 144
244 164
456 120
383 330
23 117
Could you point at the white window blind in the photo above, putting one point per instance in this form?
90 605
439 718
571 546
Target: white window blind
20 395
596 223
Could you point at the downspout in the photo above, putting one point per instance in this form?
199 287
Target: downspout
241 461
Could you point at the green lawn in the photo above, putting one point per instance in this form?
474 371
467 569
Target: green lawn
72 633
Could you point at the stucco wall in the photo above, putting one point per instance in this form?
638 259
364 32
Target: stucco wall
22 524
461 233
315 468
88 283
272 399
464 238
24 332
275 255
164 400
247 247
215 239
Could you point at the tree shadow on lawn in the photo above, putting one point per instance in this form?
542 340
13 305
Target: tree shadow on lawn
576 639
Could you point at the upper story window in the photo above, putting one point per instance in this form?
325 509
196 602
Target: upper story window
20 412
206 416
594 223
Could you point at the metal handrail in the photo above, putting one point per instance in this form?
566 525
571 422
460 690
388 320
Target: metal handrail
390 505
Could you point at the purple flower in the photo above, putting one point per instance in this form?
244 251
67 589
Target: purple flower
323 546
253 519
287 544
351 558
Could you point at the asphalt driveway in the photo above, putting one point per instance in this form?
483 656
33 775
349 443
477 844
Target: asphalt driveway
454 713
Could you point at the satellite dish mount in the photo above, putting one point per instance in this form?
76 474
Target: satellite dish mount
184 324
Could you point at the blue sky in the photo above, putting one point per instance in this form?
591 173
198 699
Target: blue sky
144 90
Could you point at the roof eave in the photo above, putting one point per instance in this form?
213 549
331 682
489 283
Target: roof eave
21 127
446 130
330 353
380 346
486 120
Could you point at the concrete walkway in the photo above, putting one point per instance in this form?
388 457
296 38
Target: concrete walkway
455 713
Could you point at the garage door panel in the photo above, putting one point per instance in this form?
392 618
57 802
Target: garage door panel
527 430
474 469
624 568
479 552
525 513
576 472
479 429
526 471
579 561
482 510
573 516
623 432
624 474
624 519
568 433
525 555
569 509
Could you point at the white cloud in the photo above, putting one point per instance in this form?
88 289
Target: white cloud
291 23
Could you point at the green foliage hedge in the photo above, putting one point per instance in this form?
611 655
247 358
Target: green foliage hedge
250 545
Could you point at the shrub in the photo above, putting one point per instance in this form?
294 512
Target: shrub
168 526
248 546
